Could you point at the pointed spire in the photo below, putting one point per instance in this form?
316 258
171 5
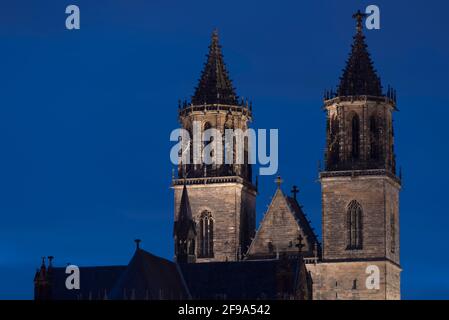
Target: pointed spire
184 222
185 212
43 270
43 262
214 85
359 76
358 16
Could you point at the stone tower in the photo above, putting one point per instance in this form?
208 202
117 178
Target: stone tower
360 188
221 194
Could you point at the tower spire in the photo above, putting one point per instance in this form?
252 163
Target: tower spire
359 76
358 16
215 86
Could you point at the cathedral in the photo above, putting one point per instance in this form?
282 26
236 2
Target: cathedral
220 253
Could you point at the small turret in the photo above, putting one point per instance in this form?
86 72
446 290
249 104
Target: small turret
185 231
42 280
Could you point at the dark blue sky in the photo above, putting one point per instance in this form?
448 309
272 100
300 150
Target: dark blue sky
85 118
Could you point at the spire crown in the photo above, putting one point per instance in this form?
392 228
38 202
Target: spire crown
358 16
215 86
359 76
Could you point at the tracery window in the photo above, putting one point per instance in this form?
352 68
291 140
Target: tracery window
354 226
206 235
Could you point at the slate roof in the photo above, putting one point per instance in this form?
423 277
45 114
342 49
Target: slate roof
95 283
146 277
149 277
251 279
303 221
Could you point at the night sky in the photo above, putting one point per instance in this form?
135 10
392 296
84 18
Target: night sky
85 118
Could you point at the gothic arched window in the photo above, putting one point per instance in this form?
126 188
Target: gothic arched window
355 226
374 138
355 134
206 235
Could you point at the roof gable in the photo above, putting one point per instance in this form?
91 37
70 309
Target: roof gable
279 229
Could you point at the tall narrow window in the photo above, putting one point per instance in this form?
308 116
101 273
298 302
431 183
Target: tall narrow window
354 226
355 132
206 235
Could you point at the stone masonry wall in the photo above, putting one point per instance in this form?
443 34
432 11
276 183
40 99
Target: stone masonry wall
347 281
230 204
375 194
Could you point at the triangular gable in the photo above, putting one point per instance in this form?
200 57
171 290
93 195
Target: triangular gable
278 232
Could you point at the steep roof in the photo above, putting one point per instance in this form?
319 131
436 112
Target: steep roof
95 283
215 86
303 222
149 277
146 277
256 279
359 76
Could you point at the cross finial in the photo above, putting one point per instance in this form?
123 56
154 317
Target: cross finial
137 241
279 181
299 245
295 190
358 16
